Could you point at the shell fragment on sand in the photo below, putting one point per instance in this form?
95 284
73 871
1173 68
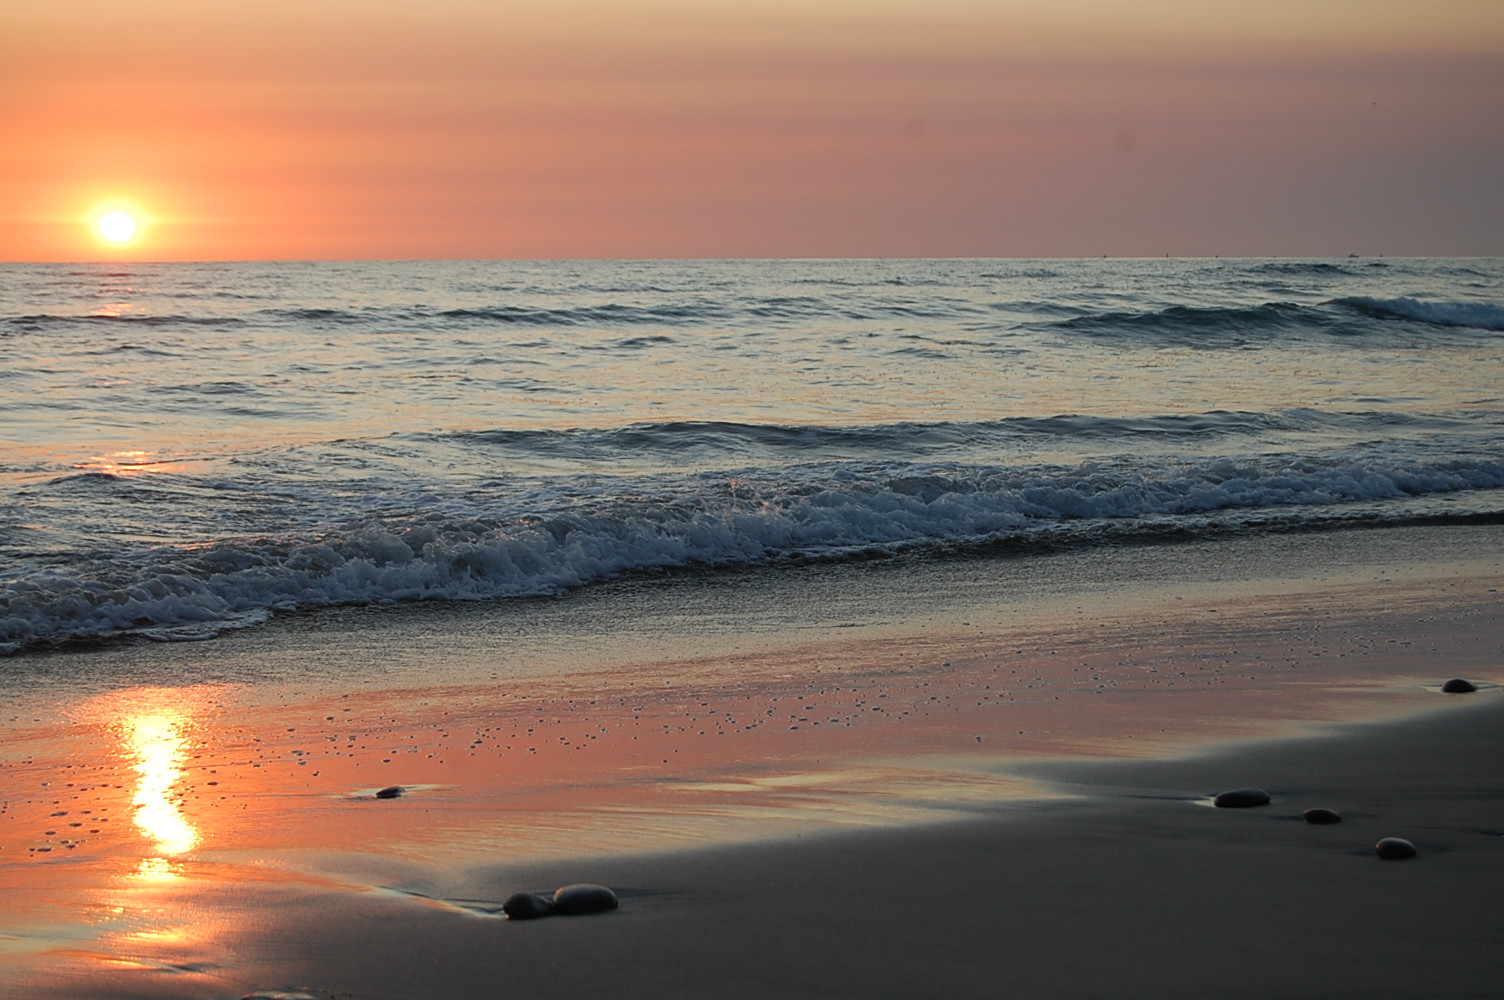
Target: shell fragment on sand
1241 798
1394 849
1320 817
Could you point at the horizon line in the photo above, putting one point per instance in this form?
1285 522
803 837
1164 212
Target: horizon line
749 258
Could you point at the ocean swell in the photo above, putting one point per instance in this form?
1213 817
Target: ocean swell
1206 326
682 443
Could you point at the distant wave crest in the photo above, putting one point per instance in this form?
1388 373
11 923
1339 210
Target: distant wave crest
43 320
1210 326
1479 315
1237 326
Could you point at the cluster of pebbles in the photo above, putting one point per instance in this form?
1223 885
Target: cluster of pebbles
569 901
1389 848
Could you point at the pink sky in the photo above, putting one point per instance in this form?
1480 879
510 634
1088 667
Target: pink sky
622 128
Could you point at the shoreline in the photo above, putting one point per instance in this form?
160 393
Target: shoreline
684 613
766 760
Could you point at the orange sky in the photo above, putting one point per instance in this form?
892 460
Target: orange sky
629 128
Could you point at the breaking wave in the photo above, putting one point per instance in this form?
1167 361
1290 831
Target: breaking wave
547 536
1479 315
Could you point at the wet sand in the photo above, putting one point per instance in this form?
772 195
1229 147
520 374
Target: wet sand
1132 891
939 781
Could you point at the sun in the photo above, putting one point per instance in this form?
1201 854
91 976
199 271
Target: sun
117 227
117 223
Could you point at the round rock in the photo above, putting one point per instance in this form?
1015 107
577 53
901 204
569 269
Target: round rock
583 898
527 906
1394 848
1321 817
1241 798
1459 686
390 792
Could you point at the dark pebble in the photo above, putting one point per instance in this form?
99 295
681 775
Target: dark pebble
527 906
390 792
1459 686
583 898
1241 798
1321 816
1394 848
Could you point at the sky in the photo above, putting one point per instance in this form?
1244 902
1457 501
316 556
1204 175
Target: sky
337 129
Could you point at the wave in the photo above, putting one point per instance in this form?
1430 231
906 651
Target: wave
696 310
321 315
1304 268
690 442
492 541
1213 326
1479 315
37 320
1238 326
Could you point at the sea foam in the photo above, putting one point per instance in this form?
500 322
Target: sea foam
500 543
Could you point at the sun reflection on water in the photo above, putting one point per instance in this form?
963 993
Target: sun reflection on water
130 463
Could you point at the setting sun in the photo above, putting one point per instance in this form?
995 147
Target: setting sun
117 227
117 223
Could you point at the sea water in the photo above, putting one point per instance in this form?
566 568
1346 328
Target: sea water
187 448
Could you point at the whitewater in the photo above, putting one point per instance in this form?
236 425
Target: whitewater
186 448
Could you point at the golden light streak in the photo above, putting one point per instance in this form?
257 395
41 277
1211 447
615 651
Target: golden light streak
130 463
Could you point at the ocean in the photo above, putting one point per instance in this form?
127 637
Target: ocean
191 448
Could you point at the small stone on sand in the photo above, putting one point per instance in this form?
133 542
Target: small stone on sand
527 906
1459 686
1241 798
1321 816
583 898
390 792
1394 848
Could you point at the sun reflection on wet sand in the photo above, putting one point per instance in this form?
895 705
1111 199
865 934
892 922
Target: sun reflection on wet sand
157 743
157 870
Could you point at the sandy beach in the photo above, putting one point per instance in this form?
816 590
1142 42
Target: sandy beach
961 777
